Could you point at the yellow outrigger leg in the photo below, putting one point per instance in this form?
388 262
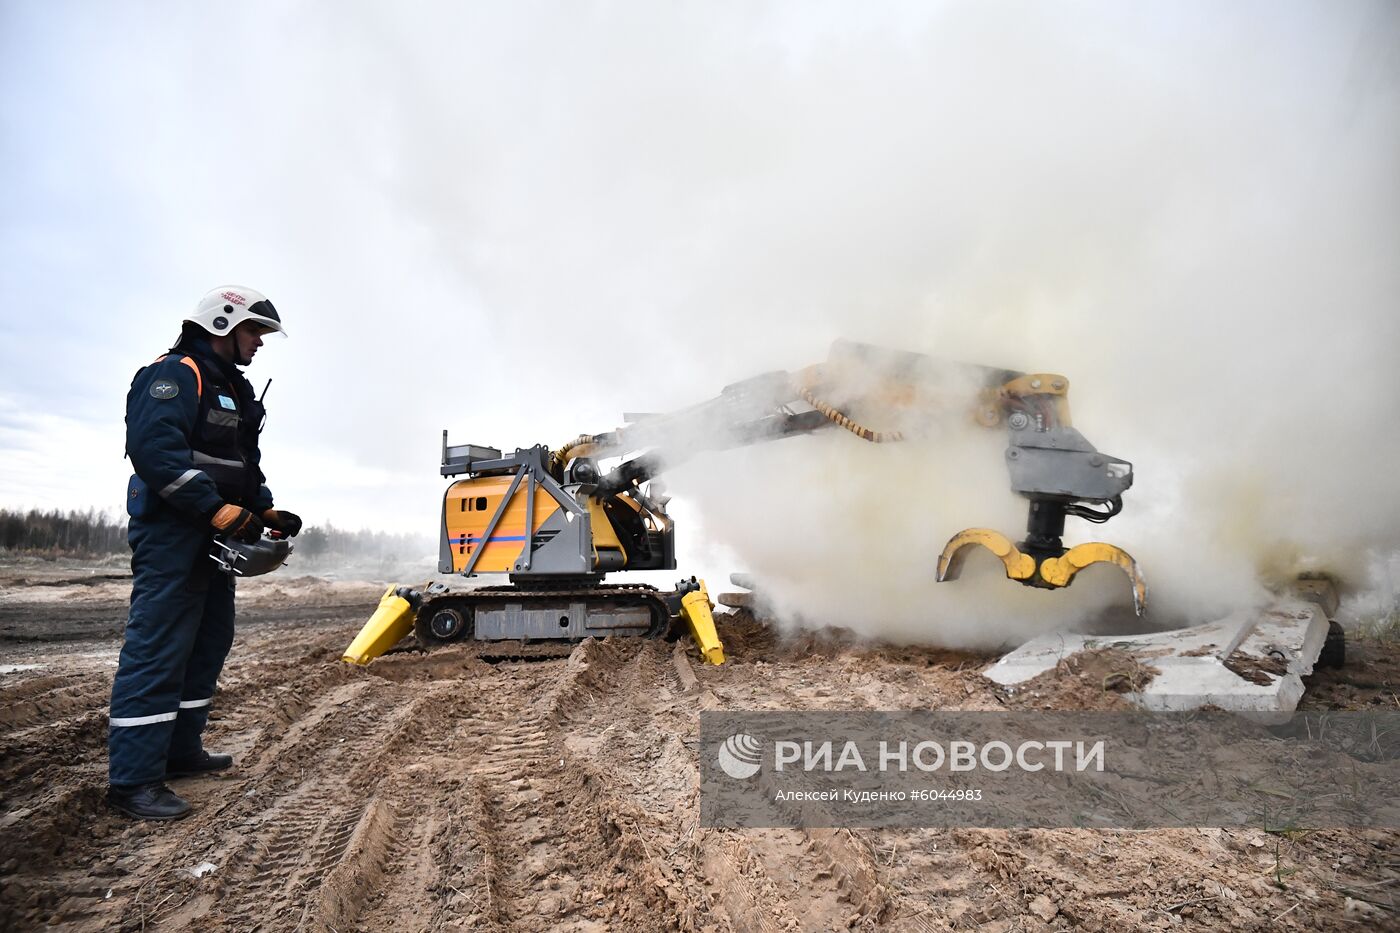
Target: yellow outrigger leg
391 622
695 608
1052 572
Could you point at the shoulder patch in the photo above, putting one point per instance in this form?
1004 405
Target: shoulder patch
164 388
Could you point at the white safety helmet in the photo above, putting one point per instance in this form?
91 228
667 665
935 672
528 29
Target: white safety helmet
223 309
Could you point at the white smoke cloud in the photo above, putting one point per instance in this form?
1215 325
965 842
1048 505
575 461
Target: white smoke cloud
519 220
1189 211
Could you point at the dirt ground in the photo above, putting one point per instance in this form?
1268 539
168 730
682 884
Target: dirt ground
449 791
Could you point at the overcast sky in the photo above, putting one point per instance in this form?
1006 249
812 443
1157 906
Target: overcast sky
518 220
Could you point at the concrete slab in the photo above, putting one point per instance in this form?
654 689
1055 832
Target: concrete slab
1248 662
751 601
736 600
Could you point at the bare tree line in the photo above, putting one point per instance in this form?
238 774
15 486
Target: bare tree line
327 541
79 533
95 533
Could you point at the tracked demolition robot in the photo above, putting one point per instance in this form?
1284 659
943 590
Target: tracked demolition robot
556 522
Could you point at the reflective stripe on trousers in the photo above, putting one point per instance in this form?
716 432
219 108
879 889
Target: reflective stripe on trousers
123 721
126 721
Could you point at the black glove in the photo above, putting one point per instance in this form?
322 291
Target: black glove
289 523
237 522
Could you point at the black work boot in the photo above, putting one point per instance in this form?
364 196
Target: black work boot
147 802
203 763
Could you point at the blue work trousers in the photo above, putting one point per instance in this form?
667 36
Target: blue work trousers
178 634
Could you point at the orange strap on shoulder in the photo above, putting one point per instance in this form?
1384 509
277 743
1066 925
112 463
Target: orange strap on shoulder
194 368
198 379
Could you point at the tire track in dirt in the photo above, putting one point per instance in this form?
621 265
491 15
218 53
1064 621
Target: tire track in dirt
53 813
301 815
519 838
309 792
633 734
549 841
316 834
359 864
13 696
830 878
43 707
27 752
55 820
642 790
36 715
760 879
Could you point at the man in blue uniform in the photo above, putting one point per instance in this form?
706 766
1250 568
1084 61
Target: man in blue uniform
192 424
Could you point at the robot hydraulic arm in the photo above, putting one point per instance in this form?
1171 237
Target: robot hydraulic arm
883 396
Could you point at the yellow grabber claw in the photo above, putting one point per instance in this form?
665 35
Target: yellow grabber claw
390 623
1052 572
695 608
1018 566
1060 571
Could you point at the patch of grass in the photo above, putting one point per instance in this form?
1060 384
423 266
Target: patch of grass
1280 872
1383 627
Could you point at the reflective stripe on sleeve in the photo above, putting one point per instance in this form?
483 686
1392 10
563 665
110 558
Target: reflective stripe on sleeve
184 478
142 720
195 704
205 458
